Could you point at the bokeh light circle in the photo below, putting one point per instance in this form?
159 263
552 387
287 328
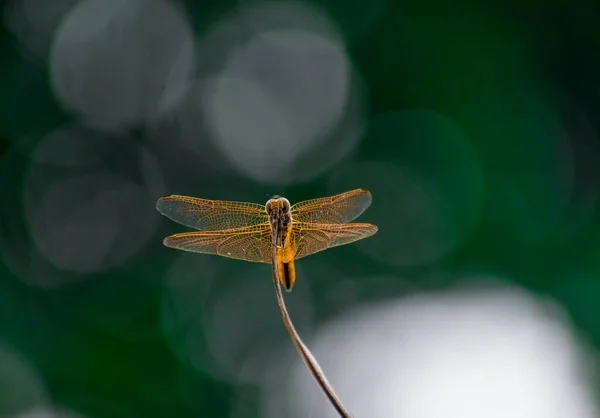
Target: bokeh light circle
427 199
286 83
34 23
22 387
88 211
226 321
122 62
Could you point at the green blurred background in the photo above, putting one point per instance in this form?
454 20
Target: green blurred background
474 125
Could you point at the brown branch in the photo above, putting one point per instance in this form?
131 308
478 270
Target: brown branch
309 360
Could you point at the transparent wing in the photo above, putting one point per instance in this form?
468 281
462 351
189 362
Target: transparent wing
211 215
249 244
338 209
309 238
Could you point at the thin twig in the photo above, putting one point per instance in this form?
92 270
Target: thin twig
307 357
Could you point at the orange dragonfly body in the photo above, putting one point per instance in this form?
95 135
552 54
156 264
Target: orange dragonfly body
247 231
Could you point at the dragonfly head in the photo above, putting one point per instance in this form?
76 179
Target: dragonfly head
277 202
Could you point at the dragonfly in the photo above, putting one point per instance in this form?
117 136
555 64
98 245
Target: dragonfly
247 231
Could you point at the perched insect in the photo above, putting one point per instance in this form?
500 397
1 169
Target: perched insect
245 230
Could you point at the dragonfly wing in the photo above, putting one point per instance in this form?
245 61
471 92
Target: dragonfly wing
249 244
309 238
211 215
338 209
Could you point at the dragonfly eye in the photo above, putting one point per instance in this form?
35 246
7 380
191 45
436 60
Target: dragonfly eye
286 205
269 206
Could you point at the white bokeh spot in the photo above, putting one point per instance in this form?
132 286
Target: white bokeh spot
467 353
280 93
122 62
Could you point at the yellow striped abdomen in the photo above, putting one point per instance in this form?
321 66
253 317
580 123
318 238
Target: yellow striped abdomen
286 270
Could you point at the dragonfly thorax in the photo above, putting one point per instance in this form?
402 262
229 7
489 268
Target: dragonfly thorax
279 203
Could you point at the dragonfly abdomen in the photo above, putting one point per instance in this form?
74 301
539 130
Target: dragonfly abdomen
287 270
